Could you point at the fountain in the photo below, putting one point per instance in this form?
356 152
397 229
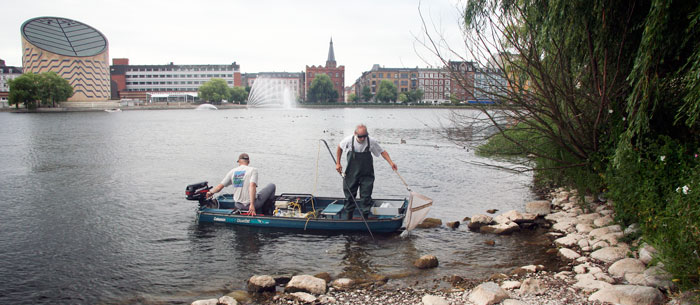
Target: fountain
206 107
271 92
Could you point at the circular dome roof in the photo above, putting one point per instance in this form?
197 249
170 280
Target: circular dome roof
64 36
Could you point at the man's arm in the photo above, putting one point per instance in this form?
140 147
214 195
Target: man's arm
338 153
388 159
215 190
252 191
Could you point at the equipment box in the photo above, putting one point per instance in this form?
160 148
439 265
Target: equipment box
389 208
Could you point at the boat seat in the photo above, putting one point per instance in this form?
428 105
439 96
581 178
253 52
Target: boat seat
332 209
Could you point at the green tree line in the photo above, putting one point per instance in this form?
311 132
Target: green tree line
43 89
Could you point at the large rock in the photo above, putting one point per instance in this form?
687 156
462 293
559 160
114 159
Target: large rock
306 283
609 254
658 277
518 217
587 218
588 284
603 221
646 253
510 285
426 261
626 265
568 254
343 284
501 229
205 302
478 221
540 208
430 223
564 225
227 300
434 300
304 297
628 295
568 240
452 224
532 286
260 283
584 228
487 293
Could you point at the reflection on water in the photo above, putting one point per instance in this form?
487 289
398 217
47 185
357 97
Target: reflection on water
94 210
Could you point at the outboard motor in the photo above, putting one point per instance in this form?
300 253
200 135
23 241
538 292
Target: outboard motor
198 192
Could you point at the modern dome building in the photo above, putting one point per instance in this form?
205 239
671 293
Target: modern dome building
74 50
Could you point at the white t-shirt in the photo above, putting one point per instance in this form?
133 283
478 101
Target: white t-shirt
374 147
240 178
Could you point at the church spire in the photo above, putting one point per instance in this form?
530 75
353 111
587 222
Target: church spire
330 62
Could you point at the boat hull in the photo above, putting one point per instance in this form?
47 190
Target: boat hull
380 225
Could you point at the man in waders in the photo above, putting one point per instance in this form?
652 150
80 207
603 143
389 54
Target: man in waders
360 170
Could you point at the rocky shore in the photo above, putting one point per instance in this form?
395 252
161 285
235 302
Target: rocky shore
602 264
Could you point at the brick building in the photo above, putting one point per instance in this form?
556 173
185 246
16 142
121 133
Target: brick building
462 80
436 85
405 79
335 72
176 82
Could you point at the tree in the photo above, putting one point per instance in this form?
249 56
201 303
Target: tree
353 97
367 94
24 90
387 92
414 96
53 88
402 97
238 94
214 91
322 90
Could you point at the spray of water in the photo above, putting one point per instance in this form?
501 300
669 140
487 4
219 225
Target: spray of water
271 92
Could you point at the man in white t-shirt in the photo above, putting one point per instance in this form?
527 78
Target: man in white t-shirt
244 180
360 170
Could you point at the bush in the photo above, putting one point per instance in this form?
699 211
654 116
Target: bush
659 188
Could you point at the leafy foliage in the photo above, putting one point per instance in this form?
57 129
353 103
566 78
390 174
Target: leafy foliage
322 90
367 94
387 92
53 88
238 94
47 88
214 91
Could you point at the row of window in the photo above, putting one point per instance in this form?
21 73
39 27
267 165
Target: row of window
311 74
177 69
171 83
161 89
178 75
388 75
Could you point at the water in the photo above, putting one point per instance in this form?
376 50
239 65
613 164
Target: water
271 92
93 207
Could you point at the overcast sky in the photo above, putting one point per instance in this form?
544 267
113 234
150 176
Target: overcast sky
259 35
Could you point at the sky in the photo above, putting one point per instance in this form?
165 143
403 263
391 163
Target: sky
259 35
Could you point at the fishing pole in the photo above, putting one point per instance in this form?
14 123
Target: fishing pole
347 187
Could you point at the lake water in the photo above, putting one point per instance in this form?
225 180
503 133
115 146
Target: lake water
93 207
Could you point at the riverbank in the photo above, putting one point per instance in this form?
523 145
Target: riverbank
599 265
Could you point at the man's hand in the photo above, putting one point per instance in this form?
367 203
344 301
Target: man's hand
339 168
394 167
251 210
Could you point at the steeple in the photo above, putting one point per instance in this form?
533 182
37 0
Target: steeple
330 62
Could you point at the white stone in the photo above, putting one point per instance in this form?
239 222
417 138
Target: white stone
568 254
612 237
582 259
501 219
586 249
603 221
564 275
563 226
582 243
628 295
478 221
588 218
594 270
635 278
601 276
532 286
609 254
501 229
606 212
625 265
591 284
584 228
487 293
342 283
510 284
646 253
530 268
304 297
434 300
306 283
580 269
658 277
259 283
599 245
205 302
568 240
540 208
227 300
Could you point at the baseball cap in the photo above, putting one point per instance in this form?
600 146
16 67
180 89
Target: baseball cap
243 156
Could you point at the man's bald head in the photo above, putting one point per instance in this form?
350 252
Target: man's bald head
361 129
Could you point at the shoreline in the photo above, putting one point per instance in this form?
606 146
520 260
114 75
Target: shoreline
597 267
188 106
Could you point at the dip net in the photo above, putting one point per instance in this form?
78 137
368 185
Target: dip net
418 207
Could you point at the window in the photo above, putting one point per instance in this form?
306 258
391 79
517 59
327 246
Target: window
374 75
381 75
404 75
396 75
